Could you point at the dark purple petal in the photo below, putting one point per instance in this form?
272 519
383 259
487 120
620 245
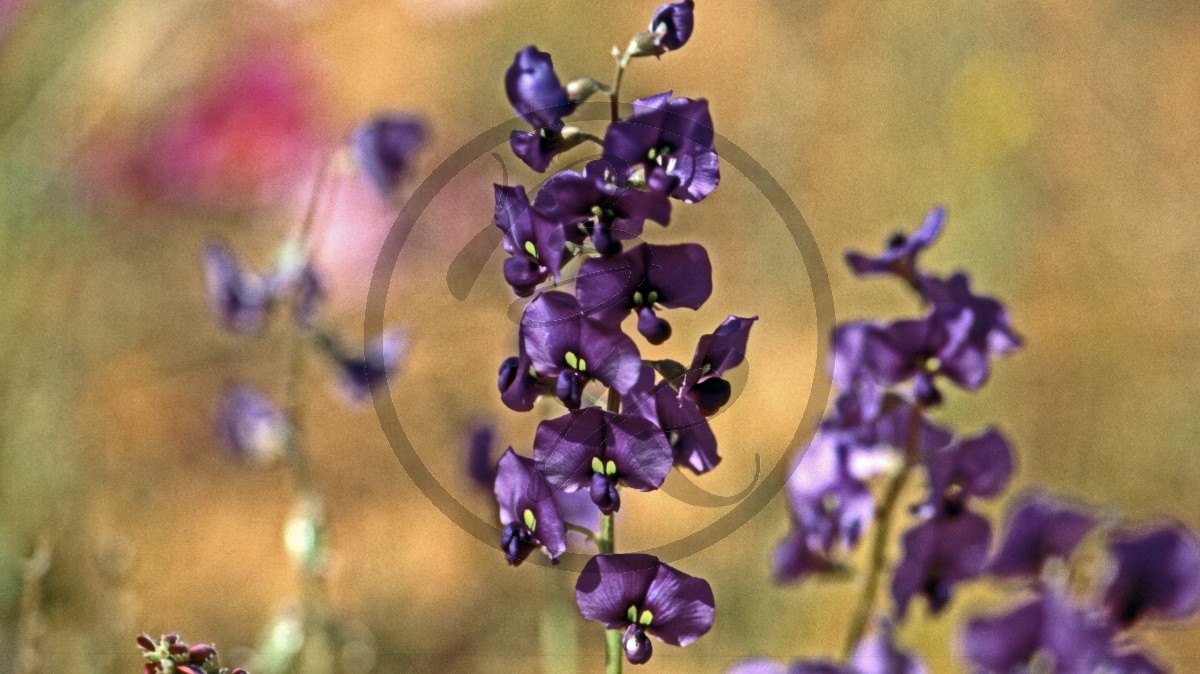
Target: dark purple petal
1006 642
384 147
976 467
818 667
610 584
798 556
991 332
1048 628
534 90
480 466
672 25
877 654
536 148
644 276
382 356
683 607
900 257
1040 528
565 450
719 352
552 325
250 426
237 298
519 383
1157 575
827 501
528 508
938 554
695 176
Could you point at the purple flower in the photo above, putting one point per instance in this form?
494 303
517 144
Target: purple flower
384 147
800 555
598 450
640 595
309 291
601 197
251 426
829 503
528 511
900 256
238 298
672 25
716 353
520 384
1040 528
538 148
534 89
870 420
937 554
1157 575
360 374
924 349
565 344
692 441
642 279
672 140
536 246
876 654
975 467
480 467
991 332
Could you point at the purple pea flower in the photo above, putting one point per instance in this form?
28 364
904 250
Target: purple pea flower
1157 575
715 354
534 90
926 348
672 140
358 375
1040 528
250 425
975 467
693 444
991 331
528 512
900 256
536 245
828 502
672 26
640 595
384 147
538 148
520 384
800 555
937 554
643 278
871 420
601 197
597 450
238 298
564 343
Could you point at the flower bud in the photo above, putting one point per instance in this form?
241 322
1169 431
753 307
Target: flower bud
510 369
200 653
710 395
146 643
604 241
581 89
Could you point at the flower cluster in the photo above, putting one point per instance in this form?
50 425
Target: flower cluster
571 346
1149 573
172 654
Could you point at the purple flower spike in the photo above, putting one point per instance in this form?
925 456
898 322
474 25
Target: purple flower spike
359 375
534 89
692 441
900 257
1157 575
939 553
536 246
598 450
528 511
877 654
601 198
672 140
642 279
672 25
976 467
1040 528
565 344
251 426
238 298
640 595
716 353
384 147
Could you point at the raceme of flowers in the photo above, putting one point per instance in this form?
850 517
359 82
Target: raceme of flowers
172 654
572 346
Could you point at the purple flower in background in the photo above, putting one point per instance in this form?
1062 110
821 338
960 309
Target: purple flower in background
600 196
1157 575
643 278
480 467
937 554
565 344
692 441
800 555
876 654
640 595
975 467
534 89
1040 528
251 426
827 502
672 140
900 256
597 450
991 333
360 374
536 246
520 385
384 147
528 512
926 348
870 420
715 354
672 25
237 297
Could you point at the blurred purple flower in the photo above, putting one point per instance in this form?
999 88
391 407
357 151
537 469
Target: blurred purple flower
715 354
358 375
991 332
876 654
978 467
250 425
480 467
640 595
937 554
384 147
900 256
1157 575
1039 528
924 349
528 512
238 298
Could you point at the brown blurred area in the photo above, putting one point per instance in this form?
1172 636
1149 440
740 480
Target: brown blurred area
1064 137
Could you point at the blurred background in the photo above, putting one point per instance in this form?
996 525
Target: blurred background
1063 137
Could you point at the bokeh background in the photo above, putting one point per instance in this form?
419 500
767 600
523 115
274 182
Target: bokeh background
1063 136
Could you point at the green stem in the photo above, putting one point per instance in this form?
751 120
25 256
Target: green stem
607 544
612 651
615 93
883 526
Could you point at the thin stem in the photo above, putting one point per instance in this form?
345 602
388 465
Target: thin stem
587 533
883 526
607 544
612 651
615 92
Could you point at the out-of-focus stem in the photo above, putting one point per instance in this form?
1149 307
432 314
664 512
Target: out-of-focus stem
883 525
29 622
